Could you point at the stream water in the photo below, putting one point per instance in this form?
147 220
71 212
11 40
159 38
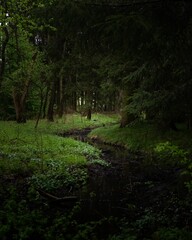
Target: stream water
127 184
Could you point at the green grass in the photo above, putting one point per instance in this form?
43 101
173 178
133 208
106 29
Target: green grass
44 157
142 136
10 129
33 160
75 121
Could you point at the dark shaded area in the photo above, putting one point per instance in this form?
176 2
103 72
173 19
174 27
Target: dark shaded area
130 189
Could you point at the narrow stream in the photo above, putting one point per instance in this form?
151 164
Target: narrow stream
125 185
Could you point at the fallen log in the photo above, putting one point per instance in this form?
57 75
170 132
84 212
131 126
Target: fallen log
55 198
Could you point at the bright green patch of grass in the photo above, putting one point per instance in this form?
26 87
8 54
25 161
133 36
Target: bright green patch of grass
142 136
42 155
75 121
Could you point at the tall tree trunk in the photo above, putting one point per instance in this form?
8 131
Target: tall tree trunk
50 112
2 54
126 117
19 108
89 100
19 99
61 97
45 103
61 86
40 109
20 96
4 42
95 101
74 101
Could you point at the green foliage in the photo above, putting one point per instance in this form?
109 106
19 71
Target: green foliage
68 178
27 218
172 234
48 160
146 136
34 161
135 137
18 220
170 154
144 51
164 149
125 235
149 220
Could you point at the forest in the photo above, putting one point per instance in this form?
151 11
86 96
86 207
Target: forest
95 119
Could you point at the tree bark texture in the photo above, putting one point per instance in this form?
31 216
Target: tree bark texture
19 99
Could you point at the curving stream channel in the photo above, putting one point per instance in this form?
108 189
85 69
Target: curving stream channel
127 187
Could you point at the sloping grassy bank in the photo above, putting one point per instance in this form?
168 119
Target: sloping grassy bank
166 162
168 147
40 152
38 169
142 136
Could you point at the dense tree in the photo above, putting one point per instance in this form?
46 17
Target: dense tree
18 55
133 58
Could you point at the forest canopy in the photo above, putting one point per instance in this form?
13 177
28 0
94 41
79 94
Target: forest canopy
131 57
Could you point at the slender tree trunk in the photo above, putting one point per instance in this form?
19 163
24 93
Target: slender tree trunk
3 45
95 102
126 118
61 97
19 99
61 85
89 104
19 108
89 113
2 54
50 112
40 110
20 96
45 103
74 101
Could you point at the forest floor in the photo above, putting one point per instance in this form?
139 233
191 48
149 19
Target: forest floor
145 185
57 183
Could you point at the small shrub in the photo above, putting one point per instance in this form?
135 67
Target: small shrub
172 234
169 154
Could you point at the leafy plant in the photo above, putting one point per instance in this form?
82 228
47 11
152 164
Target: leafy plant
172 234
170 154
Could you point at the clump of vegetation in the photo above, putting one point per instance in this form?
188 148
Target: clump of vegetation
38 166
172 155
172 233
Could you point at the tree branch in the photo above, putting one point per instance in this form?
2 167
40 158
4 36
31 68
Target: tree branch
52 197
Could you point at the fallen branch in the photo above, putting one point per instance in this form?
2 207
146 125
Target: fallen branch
52 197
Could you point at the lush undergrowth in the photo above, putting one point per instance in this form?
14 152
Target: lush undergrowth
22 145
142 136
170 147
38 166
41 173
166 152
